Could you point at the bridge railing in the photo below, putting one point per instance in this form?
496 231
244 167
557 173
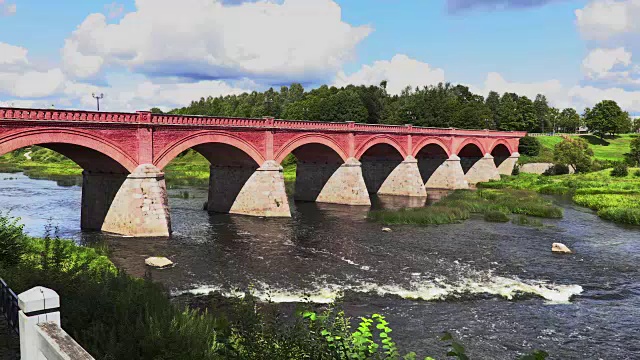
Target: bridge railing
145 117
9 305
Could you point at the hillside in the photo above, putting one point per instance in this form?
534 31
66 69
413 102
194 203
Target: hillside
612 149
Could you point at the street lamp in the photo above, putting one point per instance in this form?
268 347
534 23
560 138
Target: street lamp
98 98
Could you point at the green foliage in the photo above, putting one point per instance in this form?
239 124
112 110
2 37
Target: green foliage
634 151
12 241
529 146
556 169
606 117
516 170
496 216
461 203
620 170
526 221
574 152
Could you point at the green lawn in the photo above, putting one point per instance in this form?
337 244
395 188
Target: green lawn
608 149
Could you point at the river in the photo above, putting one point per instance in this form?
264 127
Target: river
496 287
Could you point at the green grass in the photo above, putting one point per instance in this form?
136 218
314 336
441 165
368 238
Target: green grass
495 205
612 149
615 198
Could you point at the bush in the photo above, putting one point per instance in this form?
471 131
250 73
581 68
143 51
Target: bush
516 170
529 146
636 173
557 169
620 170
496 216
574 152
12 242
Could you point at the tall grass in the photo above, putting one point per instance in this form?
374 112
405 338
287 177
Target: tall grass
461 203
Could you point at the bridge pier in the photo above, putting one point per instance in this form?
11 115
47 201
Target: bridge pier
506 167
246 190
482 171
140 208
332 183
98 192
404 180
449 175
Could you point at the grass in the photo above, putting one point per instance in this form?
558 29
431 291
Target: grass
614 198
495 205
612 149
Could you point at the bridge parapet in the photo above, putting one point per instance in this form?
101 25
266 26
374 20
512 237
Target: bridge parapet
145 117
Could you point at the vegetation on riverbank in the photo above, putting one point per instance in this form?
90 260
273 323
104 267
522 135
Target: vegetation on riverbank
614 198
495 205
114 315
607 149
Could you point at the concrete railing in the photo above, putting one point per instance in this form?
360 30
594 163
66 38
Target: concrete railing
41 336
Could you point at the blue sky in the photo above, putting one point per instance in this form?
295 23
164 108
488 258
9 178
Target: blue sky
164 52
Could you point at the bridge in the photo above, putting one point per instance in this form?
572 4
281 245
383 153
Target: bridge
123 156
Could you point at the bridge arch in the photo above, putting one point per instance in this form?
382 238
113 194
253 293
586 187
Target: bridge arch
207 137
310 139
377 140
80 146
470 142
503 142
428 141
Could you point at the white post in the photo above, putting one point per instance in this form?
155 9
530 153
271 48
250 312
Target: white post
37 305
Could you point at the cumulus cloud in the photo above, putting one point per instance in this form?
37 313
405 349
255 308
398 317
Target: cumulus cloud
455 6
19 78
600 62
603 19
400 72
292 40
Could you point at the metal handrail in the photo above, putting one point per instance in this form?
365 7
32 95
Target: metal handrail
9 305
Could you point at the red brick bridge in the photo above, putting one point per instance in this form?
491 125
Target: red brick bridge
123 155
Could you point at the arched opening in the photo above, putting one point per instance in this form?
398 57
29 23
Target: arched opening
316 163
469 155
378 162
430 158
101 175
500 153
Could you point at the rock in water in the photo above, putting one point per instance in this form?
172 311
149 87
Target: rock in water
385 229
159 262
560 248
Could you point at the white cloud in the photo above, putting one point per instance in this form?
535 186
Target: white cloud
602 19
11 55
553 89
302 40
400 72
114 10
19 78
600 62
589 96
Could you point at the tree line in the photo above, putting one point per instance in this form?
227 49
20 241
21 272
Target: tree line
441 105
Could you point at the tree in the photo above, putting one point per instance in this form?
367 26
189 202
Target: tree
529 146
493 103
156 110
569 120
508 113
574 152
526 115
634 153
606 117
542 113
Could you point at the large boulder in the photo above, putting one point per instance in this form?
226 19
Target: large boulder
560 248
159 262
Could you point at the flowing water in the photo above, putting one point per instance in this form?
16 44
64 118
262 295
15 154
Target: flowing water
496 287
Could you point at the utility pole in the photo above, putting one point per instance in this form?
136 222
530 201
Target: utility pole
98 98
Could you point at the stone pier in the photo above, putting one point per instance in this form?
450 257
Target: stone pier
248 191
506 167
404 180
332 183
140 208
98 192
449 175
482 171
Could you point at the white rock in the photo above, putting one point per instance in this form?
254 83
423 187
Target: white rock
386 229
560 248
158 262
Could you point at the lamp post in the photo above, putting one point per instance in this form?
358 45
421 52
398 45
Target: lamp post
98 98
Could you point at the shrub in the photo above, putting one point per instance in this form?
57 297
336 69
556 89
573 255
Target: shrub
12 242
529 146
516 170
636 173
496 216
620 170
574 152
557 169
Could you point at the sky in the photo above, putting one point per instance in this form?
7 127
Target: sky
166 53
